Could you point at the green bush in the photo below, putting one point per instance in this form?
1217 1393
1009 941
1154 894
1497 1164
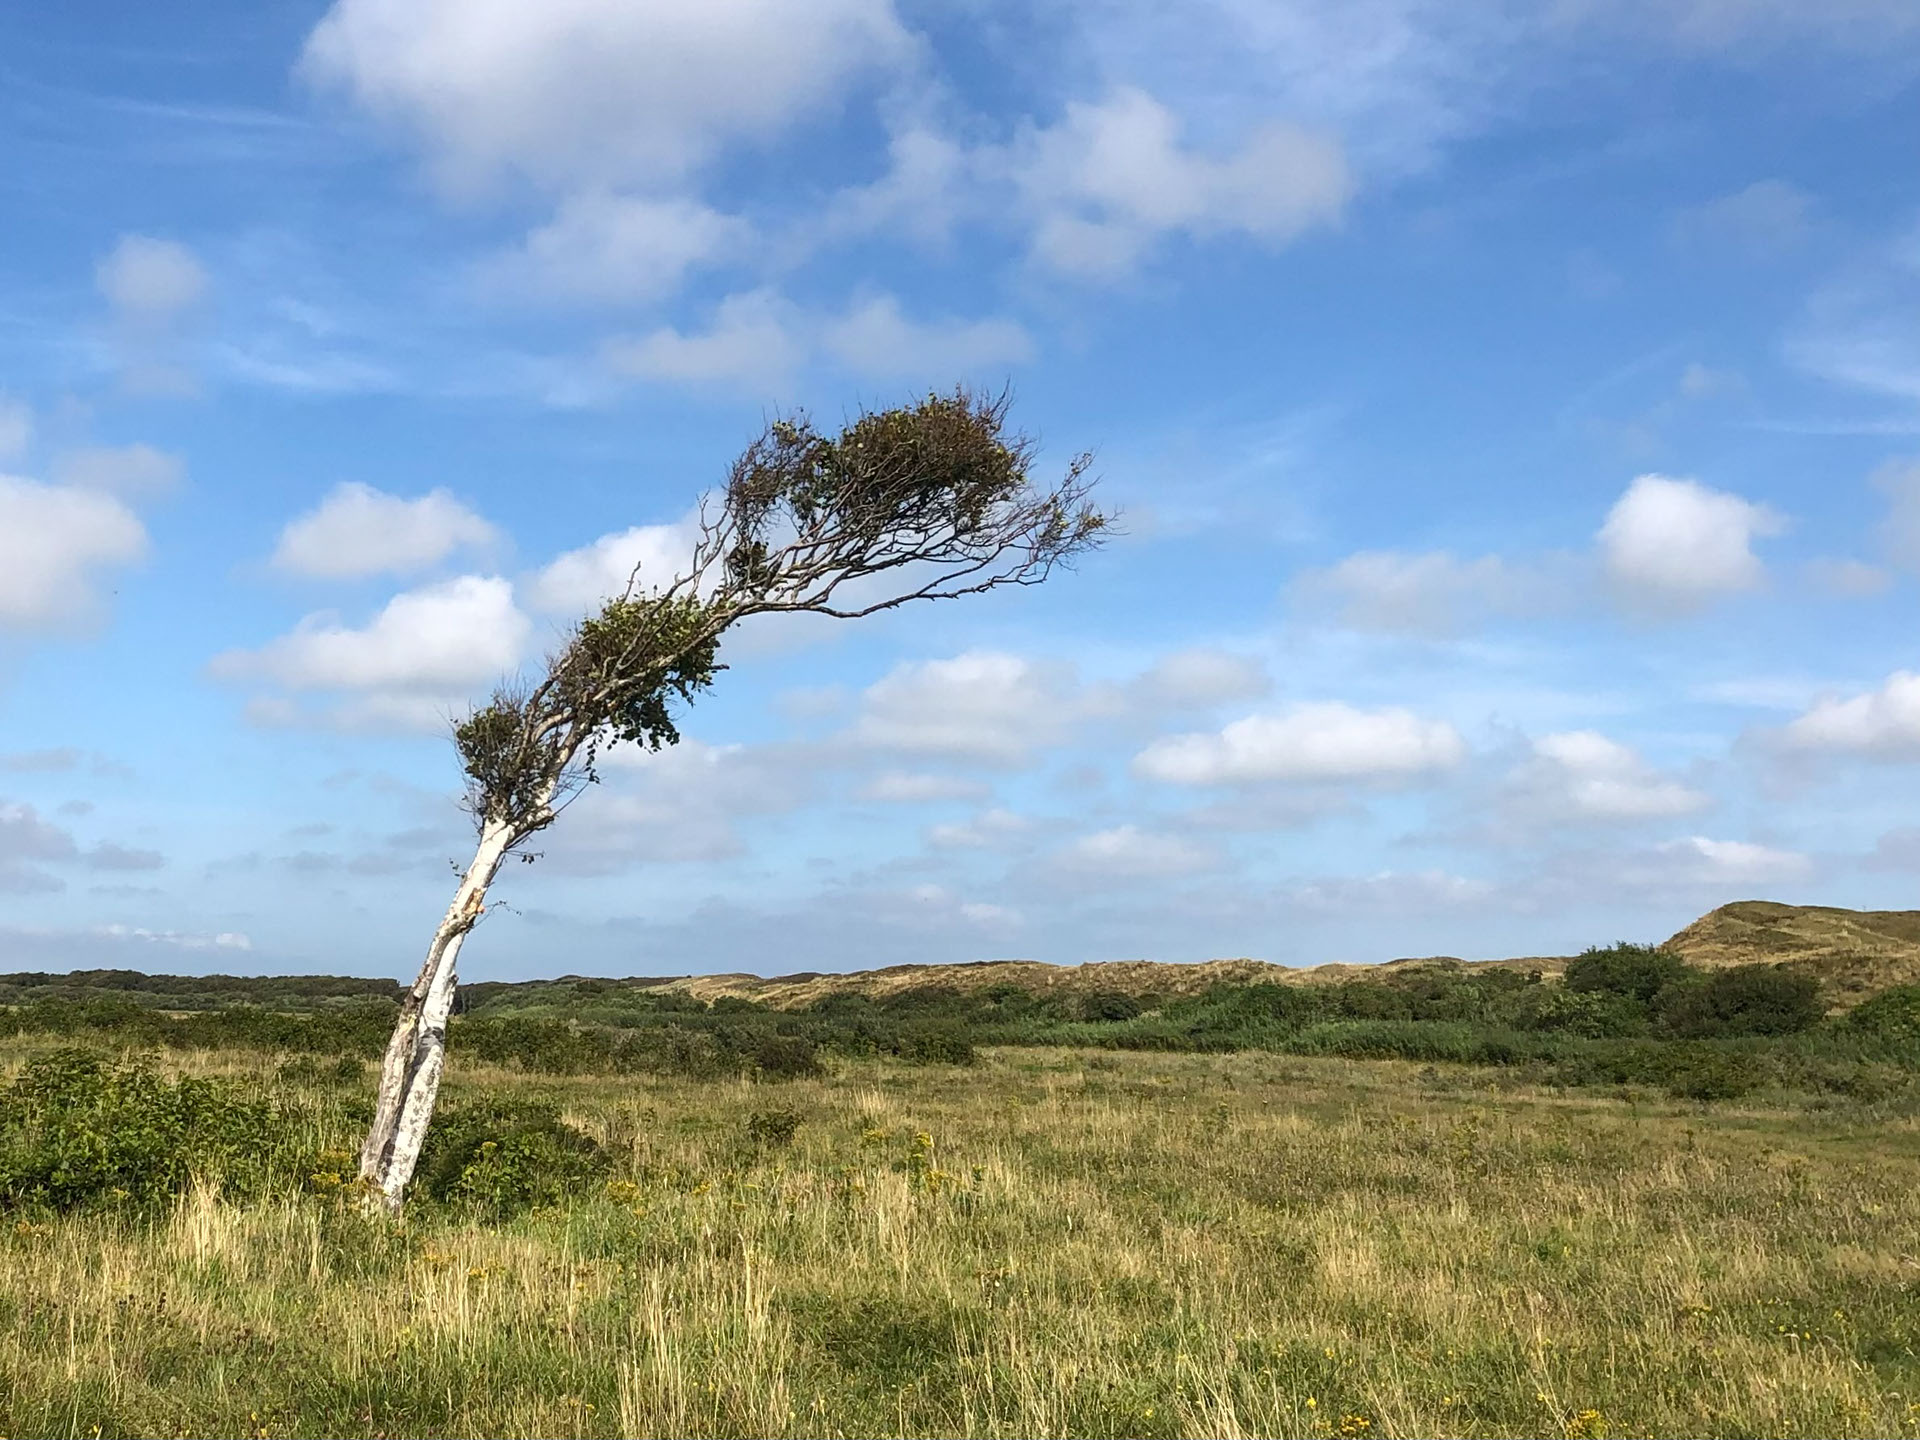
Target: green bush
939 1046
1109 1005
1596 1014
1744 1000
76 1129
1892 1015
772 1129
786 1057
1637 971
504 1158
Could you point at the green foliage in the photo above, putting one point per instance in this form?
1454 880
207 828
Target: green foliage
786 1057
1892 1015
936 1045
78 1130
772 1129
504 1158
1744 1000
1639 972
1108 1005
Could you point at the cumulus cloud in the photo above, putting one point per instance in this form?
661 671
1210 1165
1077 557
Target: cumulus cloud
1764 219
1847 577
151 282
601 247
577 93
874 338
1672 547
1326 741
752 341
1697 860
1128 852
983 705
911 787
1883 724
680 804
1112 177
582 579
1200 678
16 429
421 655
132 471
1899 531
55 542
1390 891
357 531
986 830
1583 774
1434 593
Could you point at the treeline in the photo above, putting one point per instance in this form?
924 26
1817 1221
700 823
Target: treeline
1623 1015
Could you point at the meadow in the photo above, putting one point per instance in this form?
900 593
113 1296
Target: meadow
1048 1241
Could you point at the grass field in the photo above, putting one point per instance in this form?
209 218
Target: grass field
1050 1243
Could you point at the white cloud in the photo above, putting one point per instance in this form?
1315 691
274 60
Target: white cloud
16 429
1883 723
1200 678
572 93
984 831
1852 578
1326 741
1583 774
1766 218
908 787
1673 546
603 247
1112 177
1128 852
358 531
1390 892
179 939
439 640
875 338
1899 481
150 282
983 705
676 804
1433 593
581 580
54 541
1700 861
751 342
132 470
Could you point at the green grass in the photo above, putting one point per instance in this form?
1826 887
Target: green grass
1052 1242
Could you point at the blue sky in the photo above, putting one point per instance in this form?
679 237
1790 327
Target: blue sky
1514 410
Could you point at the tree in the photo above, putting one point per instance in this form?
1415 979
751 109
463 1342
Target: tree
923 502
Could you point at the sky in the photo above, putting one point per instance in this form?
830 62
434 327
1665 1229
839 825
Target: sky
1511 408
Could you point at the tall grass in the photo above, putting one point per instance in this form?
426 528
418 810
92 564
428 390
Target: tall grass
1049 1243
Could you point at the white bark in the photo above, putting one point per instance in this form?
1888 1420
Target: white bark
410 1073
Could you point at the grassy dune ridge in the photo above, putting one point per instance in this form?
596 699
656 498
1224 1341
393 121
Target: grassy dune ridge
1050 1243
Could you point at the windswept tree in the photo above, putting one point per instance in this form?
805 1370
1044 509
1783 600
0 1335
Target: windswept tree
927 502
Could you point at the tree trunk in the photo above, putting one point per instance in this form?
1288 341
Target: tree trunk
410 1073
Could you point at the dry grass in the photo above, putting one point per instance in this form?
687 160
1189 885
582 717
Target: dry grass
1053 1244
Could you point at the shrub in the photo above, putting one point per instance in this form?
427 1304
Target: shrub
505 1158
1891 1015
936 1047
1712 1075
1638 971
1745 1000
75 1129
772 1129
786 1057
1592 1014
1109 1005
